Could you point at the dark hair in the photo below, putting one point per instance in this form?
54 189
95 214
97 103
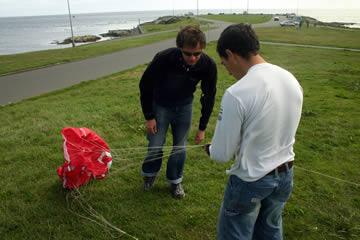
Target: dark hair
240 39
190 35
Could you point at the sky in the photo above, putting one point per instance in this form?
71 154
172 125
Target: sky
10 8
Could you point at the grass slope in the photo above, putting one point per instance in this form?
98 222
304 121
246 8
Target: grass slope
320 36
34 205
23 61
240 18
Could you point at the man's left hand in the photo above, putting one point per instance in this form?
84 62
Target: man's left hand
200 135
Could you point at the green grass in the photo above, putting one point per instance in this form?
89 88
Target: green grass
323 36
252 18
34 205
23 61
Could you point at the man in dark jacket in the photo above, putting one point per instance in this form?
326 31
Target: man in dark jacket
167 90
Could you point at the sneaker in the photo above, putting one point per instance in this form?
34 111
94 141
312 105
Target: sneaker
148 183
177 191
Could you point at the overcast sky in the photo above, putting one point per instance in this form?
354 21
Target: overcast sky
50 7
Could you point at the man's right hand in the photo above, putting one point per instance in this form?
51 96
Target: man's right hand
151 126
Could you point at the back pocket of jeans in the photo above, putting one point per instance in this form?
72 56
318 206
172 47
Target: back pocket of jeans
238 200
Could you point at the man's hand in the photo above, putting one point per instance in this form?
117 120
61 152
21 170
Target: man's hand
200 135
151 126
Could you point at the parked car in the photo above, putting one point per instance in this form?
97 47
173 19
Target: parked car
276 18
288 23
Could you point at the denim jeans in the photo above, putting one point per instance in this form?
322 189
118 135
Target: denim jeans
252 210
179 118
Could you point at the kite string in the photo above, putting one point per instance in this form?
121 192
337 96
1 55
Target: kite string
101 221
158 155
95 217
328 176
161 149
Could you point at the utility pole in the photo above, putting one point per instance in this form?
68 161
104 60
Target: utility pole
72 34
173 8
297 9
247 12
197 11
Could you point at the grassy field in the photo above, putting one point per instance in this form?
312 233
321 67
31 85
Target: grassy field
35 206
323 36
239 18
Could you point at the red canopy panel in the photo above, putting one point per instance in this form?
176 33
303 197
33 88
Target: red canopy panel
87 157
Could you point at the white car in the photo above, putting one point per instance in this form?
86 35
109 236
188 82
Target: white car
287 23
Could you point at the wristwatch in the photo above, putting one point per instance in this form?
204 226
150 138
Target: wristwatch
207 149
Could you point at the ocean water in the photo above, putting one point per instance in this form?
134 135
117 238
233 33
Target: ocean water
26 34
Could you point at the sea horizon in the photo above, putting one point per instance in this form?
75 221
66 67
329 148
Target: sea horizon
251 11
20 34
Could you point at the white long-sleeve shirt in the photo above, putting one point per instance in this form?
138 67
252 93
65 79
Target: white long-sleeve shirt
257 122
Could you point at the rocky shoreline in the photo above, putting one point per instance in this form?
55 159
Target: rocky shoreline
121 32
327 24
169 20
80 39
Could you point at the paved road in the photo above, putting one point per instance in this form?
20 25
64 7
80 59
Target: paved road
15 87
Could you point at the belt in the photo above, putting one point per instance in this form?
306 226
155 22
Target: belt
281 168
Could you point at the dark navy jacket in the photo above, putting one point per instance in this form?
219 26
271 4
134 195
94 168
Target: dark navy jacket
168 82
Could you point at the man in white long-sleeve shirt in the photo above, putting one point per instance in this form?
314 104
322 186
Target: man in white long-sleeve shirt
257 123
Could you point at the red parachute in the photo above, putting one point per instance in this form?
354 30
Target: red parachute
87 157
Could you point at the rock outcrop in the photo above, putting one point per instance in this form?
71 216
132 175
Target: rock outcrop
166 20
81 39
326 24
122 32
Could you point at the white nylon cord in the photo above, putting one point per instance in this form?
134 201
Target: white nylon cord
328 176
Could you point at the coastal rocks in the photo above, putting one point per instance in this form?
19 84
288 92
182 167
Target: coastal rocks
334 24
81 39
327 24
166 20
123 32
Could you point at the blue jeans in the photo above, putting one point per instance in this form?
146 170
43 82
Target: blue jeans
179 118
252 210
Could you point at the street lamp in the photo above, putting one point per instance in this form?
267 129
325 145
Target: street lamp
173 8
197 9
247 12
297 9
72 34
197 12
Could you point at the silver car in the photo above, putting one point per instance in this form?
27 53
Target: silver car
288 23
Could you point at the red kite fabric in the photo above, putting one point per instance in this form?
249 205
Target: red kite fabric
87 157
